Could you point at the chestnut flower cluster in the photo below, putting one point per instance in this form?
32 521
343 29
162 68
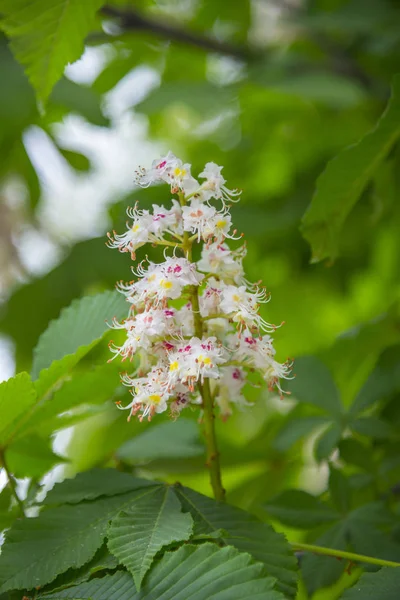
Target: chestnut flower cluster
191 324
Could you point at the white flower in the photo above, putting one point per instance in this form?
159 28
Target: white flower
217 258
214 186
230 388
169 169
194 360
161 281
150 393
211 298
196 216
243 306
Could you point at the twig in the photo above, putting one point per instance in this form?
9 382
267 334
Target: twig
351 556
132 20
11 482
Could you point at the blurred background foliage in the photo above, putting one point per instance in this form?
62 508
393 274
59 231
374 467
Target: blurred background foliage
272 90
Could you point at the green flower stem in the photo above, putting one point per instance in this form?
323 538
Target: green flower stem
12 484
212 460
351 556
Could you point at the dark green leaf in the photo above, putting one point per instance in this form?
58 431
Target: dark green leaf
300 509
194 572
246 533
322 571
371 427
295 429
37 550
176 439
93 484
384 585
339 489
313 384
328 442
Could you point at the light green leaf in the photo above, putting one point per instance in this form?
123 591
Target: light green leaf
195 572
345 177
313 384
300 509
85 388
78 328
384 585
17 396
246 533
31 456
152 522
37 550
46 35
174 439
93 484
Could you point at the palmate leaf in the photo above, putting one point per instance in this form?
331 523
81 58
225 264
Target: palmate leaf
37 550
195 572
300 509
46 35
384 585
345 177
152 522
246 533
17 396
78 328
94 484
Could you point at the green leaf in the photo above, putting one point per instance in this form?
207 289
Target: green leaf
152 522
17 396
86 387
93 484
37 550
195 572
300 509
47 35
383 585
322 571
313 384
174 439
295 429
339 489
31 456
8 511
77 160
371 427
246 533
345 177
78 328
328 442
102 561
356 453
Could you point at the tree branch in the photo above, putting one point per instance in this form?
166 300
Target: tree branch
130 20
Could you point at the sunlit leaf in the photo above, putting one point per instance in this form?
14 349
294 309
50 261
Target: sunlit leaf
345 177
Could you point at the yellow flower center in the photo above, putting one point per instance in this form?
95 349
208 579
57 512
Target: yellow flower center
174 366
167 285
135 228
221 224
206 360
155 398
179 172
